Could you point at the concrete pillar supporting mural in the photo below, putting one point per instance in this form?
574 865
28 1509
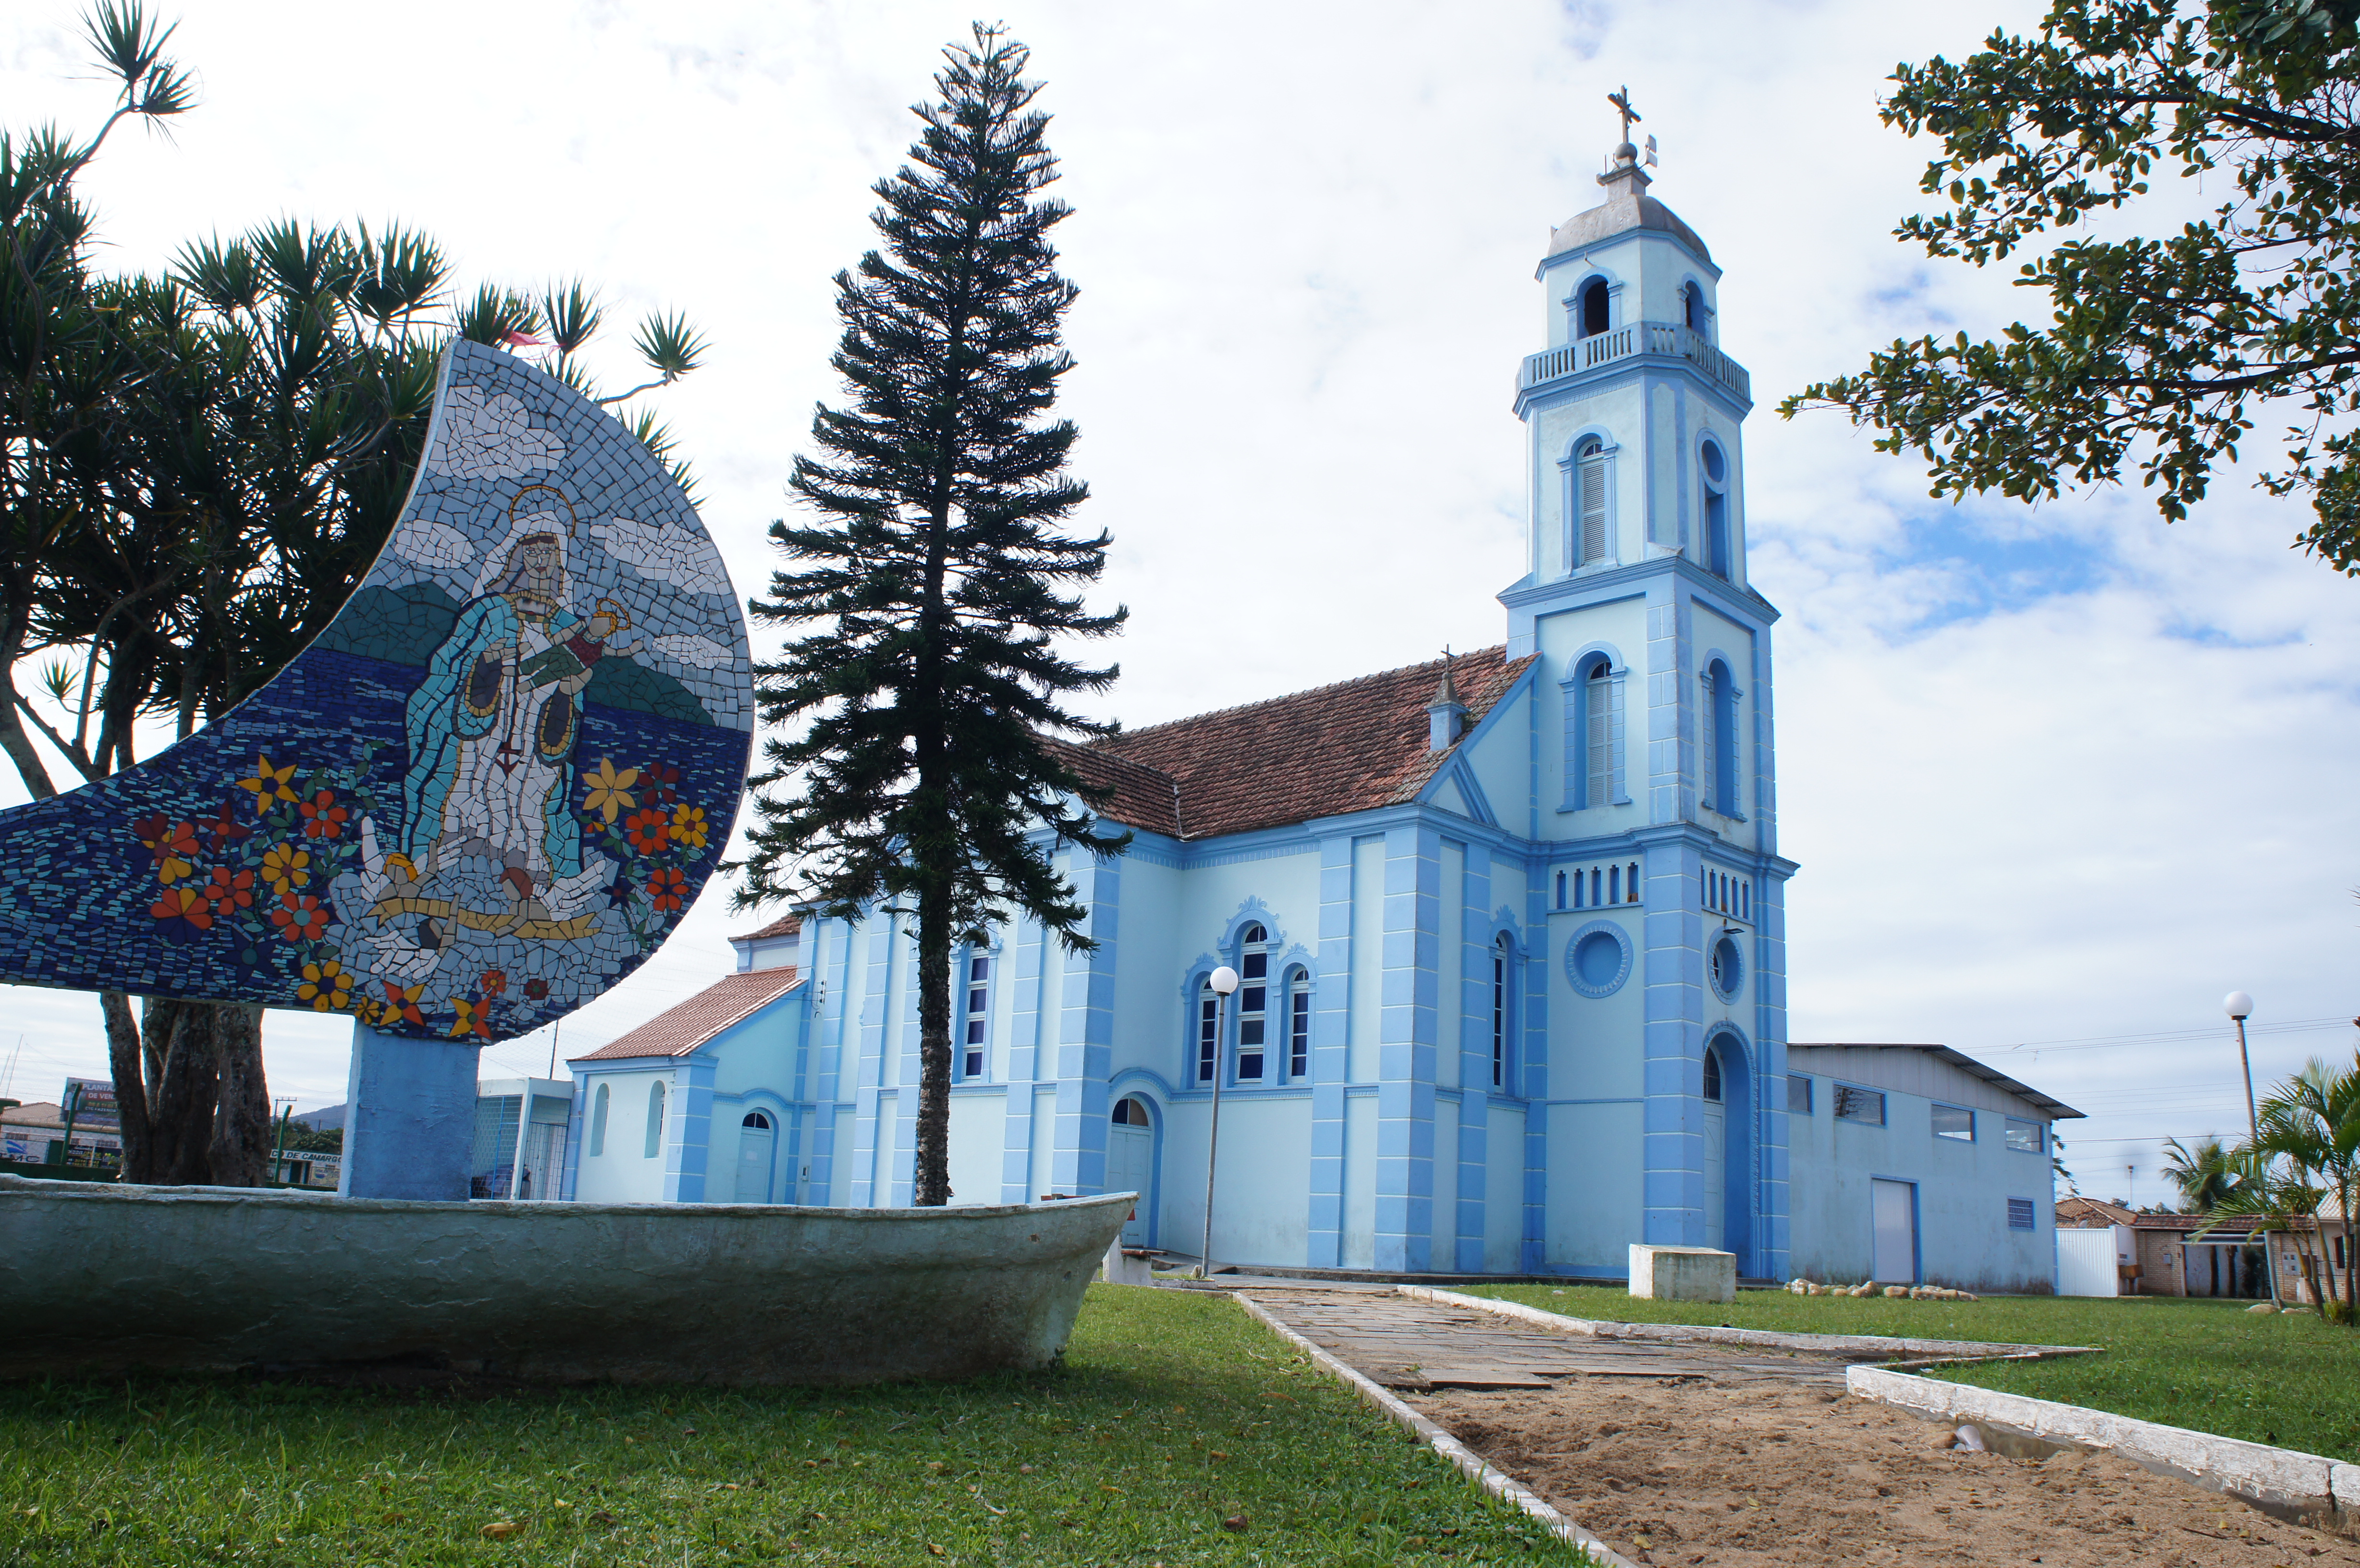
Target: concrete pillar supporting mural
409 1118
1405 1051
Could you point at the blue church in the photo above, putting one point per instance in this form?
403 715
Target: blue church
1510 927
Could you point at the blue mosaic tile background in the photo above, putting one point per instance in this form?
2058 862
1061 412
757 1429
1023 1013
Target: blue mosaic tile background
482 798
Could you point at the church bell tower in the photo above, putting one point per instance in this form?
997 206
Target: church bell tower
1664 889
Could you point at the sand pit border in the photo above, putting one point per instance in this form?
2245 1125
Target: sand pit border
2305 1488
1498 1484
1883 1347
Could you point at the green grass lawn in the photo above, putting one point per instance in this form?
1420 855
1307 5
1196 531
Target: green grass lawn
1172 1413
2290 1380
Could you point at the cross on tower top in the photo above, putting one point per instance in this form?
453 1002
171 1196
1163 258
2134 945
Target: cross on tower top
1622 102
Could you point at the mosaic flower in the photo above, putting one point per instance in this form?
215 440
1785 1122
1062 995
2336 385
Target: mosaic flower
688 826
325 985
284 866
300 918
662 783
226 828
667 889
471 1019
269 784
322 818
171 847
401 1004
537 989
230 892
494 983
649 830
610 791
183 913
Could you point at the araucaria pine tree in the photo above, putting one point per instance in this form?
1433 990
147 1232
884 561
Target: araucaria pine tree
934 585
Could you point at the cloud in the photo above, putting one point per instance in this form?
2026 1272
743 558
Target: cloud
669 551
702 652
492 438
423 542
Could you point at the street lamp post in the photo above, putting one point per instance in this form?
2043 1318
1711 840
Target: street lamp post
1223 981
2240 1006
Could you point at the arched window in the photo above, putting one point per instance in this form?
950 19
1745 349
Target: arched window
756 1120
1712 1072
1560 890
1715 490
655 1118
1129 1112
1613 884
1591 309
599 1122
1631 884
1597 694
1717 740
1298 1025
1593 539
1693 310
1501 970
979 1015
1253 1001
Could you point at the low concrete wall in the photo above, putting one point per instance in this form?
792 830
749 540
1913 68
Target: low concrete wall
2306 1487
99 1280
1682 1273
1852 1346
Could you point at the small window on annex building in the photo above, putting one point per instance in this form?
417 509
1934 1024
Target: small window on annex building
1955 1123
2024 1136
2020 1213
1858 1104
1798 1095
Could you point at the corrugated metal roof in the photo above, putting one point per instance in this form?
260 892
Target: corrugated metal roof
2058 1109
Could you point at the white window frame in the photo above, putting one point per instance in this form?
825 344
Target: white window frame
975 1029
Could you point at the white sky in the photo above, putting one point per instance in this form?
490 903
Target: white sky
2054 774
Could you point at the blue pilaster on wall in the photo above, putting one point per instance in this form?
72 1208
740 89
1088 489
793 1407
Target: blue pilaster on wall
1085 1050
1770 1012
871 1186
1331 1019
1471 905
1533 1069
1407 1041
1673 1043
828 1132
688 1131
901 1047
1024 1017
1671 718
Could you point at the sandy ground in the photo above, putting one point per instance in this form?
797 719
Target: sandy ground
1773 1475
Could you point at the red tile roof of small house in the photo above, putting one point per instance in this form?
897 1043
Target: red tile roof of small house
677 1031
786 925
1350 746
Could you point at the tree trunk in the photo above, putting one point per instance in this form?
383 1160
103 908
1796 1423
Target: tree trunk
933 1185
188 1078
241 1140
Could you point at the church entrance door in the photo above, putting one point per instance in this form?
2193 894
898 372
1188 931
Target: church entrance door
1716 1151
755 1139
1131 1164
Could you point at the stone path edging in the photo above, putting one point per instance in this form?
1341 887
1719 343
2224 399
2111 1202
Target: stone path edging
1921 1351
2285 1482
1468 1460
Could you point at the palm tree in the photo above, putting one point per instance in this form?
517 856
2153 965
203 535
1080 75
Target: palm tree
2202 1174
2313 1120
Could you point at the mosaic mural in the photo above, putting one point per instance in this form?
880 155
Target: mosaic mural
486 794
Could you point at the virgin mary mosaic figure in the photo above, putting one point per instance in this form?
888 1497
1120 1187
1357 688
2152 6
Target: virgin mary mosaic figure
491 730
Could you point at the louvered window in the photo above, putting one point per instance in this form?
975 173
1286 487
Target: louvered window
1590 492
1598 720
1708 740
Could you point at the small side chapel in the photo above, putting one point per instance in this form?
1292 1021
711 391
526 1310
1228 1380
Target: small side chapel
1510 924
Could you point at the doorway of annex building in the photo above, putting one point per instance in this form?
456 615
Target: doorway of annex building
1131 1163
1729 1149
1892 1210
756 1139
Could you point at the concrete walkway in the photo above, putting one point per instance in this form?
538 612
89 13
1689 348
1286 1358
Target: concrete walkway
1414 1344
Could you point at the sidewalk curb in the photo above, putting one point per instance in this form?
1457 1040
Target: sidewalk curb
1885 1347
1471 1464
2303 1488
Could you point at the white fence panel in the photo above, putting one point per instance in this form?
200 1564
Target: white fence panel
2085 1262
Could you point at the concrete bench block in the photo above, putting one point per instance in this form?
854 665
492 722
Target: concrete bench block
1682 1274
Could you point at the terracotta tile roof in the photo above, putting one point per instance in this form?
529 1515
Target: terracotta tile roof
786 925
676 1031
1350 746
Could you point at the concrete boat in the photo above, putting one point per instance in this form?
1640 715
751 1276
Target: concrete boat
97 1281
